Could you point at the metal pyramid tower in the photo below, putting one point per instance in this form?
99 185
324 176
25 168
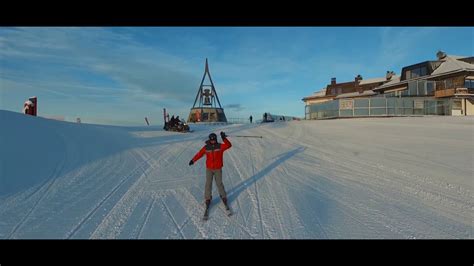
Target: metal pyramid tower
207 107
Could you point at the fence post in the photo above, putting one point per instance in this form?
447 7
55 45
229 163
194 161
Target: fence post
353 103
369 106
339 108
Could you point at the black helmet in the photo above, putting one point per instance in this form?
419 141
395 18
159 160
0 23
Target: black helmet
212 136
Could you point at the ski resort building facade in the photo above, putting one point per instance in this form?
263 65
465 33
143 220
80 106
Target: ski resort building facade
441 87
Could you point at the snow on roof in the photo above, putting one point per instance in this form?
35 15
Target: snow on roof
355 94
372 80
457 57
451 64
394 80
319 93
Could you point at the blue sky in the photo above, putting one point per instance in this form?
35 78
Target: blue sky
119 75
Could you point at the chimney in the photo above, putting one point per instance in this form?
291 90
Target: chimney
333 81
389 75
358 78
440 55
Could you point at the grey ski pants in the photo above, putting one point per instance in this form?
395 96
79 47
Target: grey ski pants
220 186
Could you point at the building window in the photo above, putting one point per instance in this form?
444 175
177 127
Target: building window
412 91
416 72
430 88
469 84
423 71
449 84
457 105
421 88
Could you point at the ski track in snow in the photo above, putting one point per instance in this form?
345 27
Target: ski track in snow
307 179
147 216
46 187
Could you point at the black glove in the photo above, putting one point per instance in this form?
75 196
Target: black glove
191 162
223 135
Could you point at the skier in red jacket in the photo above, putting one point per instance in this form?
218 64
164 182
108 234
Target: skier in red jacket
214 161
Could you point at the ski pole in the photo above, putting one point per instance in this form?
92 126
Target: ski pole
240 136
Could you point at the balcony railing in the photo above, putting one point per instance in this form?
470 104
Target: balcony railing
444 93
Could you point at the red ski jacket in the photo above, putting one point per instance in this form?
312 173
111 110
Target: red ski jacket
214 154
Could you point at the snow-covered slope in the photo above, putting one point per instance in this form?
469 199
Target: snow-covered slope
360 178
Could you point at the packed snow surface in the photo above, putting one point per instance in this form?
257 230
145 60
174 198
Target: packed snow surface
406 177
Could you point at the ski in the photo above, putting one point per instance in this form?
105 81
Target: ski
205 217
227 210
224 207
207 206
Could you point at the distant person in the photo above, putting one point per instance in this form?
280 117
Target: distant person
214 152
172 121
28 107
265 117
250 118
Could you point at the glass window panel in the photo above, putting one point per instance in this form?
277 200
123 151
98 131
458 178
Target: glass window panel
361 112
391 103
412 88
407 103
407 111
423 71
415 72
361 102
377 102
430 88
346 112
421 88
418 112
377 111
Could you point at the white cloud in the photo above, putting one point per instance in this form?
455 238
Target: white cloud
116 56
399 44
236 107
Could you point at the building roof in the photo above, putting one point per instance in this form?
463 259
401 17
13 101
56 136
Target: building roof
317 94
449 64
377 80
457 57
322 92
356 94
391 82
